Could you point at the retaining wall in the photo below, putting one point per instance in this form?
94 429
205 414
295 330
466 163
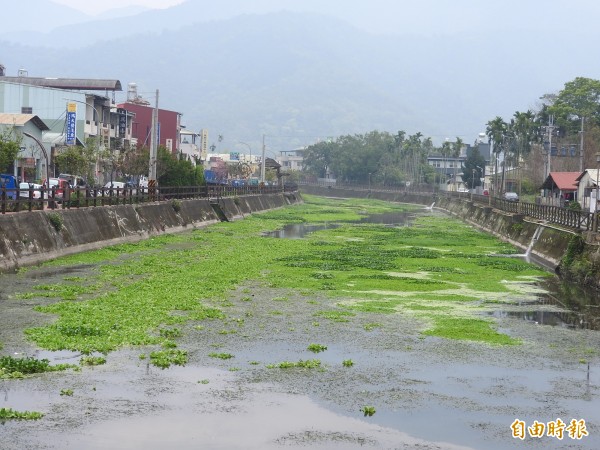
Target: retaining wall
32 237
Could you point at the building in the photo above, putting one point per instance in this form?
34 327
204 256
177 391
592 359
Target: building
560 188
587 189
32 161
168 126
292 160
448 170
190 146
73 113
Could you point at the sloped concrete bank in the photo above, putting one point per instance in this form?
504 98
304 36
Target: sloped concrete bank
32 237
546 243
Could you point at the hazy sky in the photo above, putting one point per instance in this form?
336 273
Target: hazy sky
93 7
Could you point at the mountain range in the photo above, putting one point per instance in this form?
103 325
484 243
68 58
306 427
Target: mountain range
297 76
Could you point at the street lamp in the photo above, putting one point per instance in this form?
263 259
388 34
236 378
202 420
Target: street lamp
262 162
249 148
45 155
597 191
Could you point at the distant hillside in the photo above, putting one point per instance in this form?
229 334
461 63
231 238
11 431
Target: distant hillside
306 76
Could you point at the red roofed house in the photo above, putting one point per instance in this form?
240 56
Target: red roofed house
560 187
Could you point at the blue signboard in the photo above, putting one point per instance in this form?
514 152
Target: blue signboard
71 123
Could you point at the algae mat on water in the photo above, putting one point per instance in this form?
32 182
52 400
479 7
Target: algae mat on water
438 270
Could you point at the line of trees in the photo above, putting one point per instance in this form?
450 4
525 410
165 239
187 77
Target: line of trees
518 143
378 157
574 110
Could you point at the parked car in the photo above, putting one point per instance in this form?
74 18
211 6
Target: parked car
59 187
74 180
511 196
26 187
9 182
113 188
290 186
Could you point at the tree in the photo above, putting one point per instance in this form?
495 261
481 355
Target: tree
456 149
526 131
446 151
472 169
495 131
579 98
318 158
135 161
10 145
71 160
173 171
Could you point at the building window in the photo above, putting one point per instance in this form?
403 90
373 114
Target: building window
26 110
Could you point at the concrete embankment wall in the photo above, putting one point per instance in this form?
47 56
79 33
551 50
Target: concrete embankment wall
545 242
31 237
548 243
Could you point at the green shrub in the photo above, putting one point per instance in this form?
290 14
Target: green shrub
56 220
176 204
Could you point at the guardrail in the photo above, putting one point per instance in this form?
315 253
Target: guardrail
570 218
17 200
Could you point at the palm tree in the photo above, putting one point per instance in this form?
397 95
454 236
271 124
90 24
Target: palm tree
456 148
446 151
526 131
495 131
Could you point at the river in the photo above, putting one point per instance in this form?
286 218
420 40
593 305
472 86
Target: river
428 392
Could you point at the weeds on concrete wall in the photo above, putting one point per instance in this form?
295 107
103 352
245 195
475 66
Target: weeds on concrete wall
56 220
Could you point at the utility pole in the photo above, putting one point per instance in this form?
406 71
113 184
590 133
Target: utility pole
262 163
581 146
153 146
550 129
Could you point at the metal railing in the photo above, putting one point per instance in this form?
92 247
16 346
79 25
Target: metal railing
570 218
17 200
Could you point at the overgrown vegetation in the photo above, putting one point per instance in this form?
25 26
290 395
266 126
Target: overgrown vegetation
11 367
9 413
56 221
304 364
429 270
317 348
165 358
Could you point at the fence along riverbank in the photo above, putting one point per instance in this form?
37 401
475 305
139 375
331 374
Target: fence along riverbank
32 237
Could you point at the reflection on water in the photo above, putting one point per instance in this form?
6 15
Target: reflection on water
570 307
300 230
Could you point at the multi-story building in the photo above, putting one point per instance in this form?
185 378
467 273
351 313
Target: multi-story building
292 160
190 146
73 113
167 128
32 161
